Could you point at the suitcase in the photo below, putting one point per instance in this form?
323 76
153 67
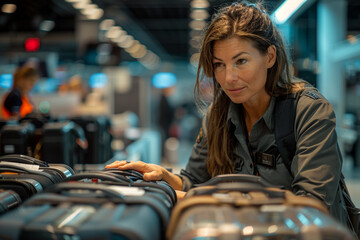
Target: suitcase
87 211
99 137
251 210
129 178
8 200
17 139
63 142
28 176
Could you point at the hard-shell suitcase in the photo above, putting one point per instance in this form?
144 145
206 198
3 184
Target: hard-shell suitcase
251 210
87 211
63 142
98 134
8 200
28 176
17 139
129 178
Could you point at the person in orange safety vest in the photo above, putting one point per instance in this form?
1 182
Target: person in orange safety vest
17 103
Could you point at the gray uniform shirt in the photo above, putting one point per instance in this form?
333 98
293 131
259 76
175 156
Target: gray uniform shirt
316 167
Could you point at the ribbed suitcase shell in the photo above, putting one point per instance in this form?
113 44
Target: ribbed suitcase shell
8 200
88 211
27 176
251 210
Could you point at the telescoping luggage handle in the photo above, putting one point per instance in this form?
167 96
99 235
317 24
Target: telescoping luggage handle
244 187
19 158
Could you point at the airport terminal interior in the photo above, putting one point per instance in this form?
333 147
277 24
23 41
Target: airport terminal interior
134 62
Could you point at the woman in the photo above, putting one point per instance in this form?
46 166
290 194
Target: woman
17 103
243 55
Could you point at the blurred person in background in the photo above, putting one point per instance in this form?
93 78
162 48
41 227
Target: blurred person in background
17 103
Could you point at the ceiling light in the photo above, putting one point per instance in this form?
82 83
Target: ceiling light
81 4
46 25
106 24
114 32
197 24
94 14
127 42
199 4
141 51
286 10
199 14
8 8
134 47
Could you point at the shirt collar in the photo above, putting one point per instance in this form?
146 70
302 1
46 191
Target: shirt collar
235 111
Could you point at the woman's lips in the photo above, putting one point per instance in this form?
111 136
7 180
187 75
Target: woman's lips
236 90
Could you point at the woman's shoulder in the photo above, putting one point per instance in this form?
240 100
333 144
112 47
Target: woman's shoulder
305 90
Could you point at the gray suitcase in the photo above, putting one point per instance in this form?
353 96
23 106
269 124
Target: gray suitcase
247 209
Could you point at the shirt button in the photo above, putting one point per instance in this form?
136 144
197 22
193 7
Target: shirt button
251 165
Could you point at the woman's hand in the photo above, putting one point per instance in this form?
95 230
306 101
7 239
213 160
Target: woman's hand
151 172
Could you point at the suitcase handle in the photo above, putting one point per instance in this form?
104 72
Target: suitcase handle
61 187
19 158
130 172
98 175
244 187
232 178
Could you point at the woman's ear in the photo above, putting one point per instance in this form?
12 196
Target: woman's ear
271 56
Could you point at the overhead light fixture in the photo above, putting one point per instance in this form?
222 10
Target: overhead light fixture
8 8
286 10
47 25
106 24
199 14
197 24
199 4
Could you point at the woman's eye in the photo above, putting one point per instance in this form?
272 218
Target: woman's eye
241 61
218 65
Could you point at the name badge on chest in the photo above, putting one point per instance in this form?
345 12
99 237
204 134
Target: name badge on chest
266 159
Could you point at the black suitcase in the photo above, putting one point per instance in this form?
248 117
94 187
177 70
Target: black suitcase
28 176
8 200
17 139
88 211
129 178
98 134
63 142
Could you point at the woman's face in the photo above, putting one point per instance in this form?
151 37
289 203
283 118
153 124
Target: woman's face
241 69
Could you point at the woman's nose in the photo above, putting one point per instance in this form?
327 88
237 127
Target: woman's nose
231 73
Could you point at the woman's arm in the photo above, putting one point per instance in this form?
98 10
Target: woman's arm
317 164
151 172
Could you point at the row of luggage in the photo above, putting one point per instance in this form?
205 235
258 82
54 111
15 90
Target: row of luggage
79 140
115 204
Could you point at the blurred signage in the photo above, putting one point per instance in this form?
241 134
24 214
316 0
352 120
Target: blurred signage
32 44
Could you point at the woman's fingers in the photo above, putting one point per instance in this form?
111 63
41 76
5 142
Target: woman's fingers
152 176
151 172
116 164
180 194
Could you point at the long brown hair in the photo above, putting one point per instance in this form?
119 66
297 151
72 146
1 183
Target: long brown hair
247 21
